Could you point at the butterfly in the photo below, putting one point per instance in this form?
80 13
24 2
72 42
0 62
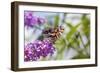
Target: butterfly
53 33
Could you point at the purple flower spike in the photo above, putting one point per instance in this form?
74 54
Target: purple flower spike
30 20
33 51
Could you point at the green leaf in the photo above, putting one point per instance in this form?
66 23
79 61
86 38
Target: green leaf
72 31
56 21
81 56
88 43
60 44
85 24
85 20
69 25
59 56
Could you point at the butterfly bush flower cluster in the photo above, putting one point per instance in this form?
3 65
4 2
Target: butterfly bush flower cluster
37 49
30 20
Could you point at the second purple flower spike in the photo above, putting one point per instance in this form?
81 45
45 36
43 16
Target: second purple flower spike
35 50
